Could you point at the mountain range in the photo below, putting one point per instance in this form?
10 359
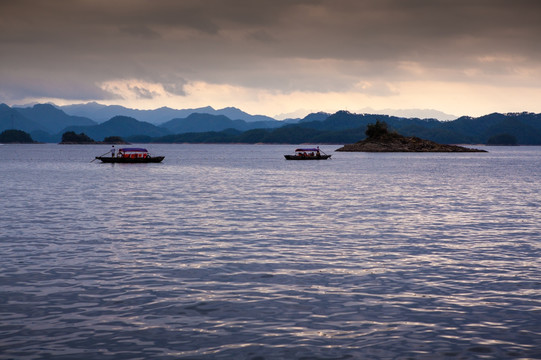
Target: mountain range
47 123
102 113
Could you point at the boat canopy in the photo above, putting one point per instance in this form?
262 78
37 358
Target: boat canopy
312 149
133 150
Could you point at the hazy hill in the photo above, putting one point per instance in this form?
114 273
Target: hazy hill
237 114
122 126
526 127
53 119
342 120
203 122
12 119
101 113
411 113
319 116
197 122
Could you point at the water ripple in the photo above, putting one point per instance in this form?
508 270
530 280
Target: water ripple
218 254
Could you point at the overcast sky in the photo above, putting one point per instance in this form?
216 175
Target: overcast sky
274 57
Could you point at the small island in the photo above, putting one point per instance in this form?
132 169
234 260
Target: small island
379 139
71 138
13 136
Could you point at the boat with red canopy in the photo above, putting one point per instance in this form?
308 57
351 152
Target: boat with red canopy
308 154
130 155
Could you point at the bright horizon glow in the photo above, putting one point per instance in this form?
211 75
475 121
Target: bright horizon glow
455 99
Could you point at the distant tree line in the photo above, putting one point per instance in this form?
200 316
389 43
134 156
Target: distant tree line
70 137
502 139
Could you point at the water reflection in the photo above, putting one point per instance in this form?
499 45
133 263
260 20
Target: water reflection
218 254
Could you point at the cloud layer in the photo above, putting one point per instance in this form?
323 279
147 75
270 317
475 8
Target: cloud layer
275 56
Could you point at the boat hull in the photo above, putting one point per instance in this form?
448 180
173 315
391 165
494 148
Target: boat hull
108 159
296 157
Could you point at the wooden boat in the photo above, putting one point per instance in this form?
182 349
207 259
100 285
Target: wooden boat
308 154
130 156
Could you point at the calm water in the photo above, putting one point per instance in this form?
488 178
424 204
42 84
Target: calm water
232 252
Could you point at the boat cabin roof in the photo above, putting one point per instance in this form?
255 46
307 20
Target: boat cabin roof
133 150
311 149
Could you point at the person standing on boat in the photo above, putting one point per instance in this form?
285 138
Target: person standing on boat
113 151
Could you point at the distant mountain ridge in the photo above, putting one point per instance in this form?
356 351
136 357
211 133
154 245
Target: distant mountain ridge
47 123
52 119
200 122
122 126
525 127
101 113
411 113
10 119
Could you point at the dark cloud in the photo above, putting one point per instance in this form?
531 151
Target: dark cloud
140 31
263 43
142 93
175 88
15 88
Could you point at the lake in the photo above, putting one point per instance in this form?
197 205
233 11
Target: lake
232 252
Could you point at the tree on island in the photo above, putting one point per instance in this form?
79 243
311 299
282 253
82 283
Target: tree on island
15 136
377 130
114 140
70 137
